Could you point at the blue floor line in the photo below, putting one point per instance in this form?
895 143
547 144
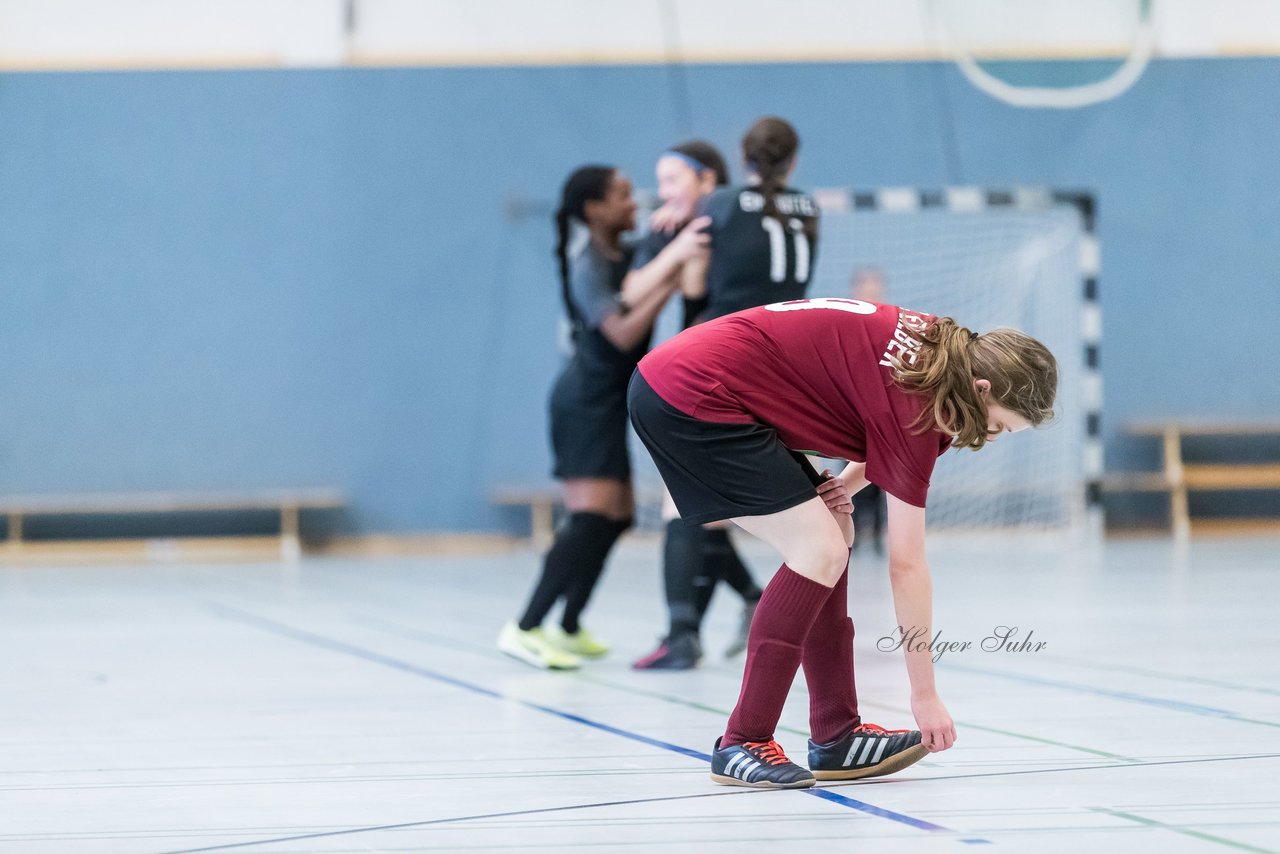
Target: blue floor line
406 667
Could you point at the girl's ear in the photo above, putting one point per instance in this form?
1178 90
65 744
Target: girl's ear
983 387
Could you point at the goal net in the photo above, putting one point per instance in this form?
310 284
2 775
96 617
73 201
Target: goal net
1024 258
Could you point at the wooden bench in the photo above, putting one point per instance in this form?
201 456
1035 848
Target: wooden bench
1178 477
289 503
542 502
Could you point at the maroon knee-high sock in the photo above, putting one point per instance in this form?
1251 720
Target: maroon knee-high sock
827 658
782 620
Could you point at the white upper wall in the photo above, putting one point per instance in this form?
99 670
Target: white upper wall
39 34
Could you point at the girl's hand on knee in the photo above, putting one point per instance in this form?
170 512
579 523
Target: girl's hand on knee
834 492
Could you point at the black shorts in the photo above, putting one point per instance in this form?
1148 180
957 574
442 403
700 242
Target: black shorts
589 426
719 471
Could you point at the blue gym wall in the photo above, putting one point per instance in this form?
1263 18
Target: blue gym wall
241 279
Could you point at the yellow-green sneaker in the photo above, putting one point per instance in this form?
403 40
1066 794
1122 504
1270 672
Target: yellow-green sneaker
532 647
580 643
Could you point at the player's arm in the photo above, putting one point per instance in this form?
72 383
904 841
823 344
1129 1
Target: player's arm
625 329
662 271
854 477
693 278
913 604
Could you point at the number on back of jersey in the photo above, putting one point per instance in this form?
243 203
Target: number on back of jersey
788 244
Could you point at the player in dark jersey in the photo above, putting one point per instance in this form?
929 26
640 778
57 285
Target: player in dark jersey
764 234
725 407
764 238
588 405
687 173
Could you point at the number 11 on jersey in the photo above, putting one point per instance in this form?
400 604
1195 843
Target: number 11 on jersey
778 249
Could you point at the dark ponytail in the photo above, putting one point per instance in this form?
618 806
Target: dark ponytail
769 147
586 184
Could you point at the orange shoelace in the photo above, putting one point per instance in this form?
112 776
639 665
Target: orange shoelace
769 752
879 730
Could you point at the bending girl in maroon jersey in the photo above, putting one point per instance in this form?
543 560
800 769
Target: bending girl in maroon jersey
725 409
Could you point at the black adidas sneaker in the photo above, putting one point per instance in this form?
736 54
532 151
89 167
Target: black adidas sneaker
758 765
868 751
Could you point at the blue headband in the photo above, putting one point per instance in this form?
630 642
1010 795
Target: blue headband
686 160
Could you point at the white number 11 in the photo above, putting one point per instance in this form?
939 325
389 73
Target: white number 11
778 249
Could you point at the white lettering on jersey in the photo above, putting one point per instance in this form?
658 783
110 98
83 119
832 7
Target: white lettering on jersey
788 204
902 347
853 306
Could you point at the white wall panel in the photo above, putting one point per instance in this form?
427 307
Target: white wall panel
198 33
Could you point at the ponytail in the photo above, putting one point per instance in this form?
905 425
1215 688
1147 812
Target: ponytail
586 184
769 147
1022 372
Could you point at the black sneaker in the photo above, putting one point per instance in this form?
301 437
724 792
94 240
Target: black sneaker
757 765
868 751
677 652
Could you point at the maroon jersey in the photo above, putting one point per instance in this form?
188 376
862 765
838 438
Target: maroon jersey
820 373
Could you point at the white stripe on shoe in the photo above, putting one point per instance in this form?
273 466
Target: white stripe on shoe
866 751
747 769
731 769
879 750
853 750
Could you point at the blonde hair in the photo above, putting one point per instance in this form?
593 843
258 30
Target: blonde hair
1022 372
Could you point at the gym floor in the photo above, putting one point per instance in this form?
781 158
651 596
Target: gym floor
360 705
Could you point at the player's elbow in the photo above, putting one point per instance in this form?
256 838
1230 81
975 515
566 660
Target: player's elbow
907 568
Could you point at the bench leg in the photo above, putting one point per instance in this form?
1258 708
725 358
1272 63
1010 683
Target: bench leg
15 531
542 524
1180 517
290 541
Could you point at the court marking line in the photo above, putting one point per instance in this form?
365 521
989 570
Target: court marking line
1185 831
680 702
453 820
1156 674
1118 765
465 646
323 642
1128 696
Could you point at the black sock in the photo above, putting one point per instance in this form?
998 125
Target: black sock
589 573
730 567
704 583
576 545
682 564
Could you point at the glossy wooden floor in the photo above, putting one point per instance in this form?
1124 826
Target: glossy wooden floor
357 705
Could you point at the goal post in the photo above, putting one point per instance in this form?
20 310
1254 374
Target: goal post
1022 257
1026 257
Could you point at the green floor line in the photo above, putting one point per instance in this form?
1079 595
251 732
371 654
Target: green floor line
1172 677
1185 831
681 701
488 652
